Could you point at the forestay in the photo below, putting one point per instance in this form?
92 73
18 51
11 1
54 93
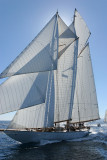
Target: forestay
85 106
81 30
23 91
39 55
65 83
39 116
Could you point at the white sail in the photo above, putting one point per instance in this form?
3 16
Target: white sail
32 117
105 118
85 106
65 83
23 91
66 36
39 55
72 27
81 30
39 116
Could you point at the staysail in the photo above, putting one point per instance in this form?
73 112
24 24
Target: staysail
85 106
32 117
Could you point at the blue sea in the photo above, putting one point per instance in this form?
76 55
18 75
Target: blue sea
92 147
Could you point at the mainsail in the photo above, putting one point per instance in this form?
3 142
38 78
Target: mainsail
85 106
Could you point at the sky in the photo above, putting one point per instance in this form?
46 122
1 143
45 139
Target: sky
22 20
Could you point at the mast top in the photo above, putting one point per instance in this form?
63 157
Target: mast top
75 9
57 12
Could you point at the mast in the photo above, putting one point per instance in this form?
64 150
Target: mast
56 76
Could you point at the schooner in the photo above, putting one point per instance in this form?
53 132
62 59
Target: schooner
51 85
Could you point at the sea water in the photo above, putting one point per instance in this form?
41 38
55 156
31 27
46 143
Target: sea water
92 147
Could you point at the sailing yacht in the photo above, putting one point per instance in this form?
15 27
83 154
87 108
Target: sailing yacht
51 85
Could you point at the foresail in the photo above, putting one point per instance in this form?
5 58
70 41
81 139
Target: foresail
65 83
40 55
38 116
32 117
81 30
23 91
85 106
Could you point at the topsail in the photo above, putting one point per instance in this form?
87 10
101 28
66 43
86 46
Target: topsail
80 28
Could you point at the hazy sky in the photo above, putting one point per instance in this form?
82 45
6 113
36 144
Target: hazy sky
21 20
